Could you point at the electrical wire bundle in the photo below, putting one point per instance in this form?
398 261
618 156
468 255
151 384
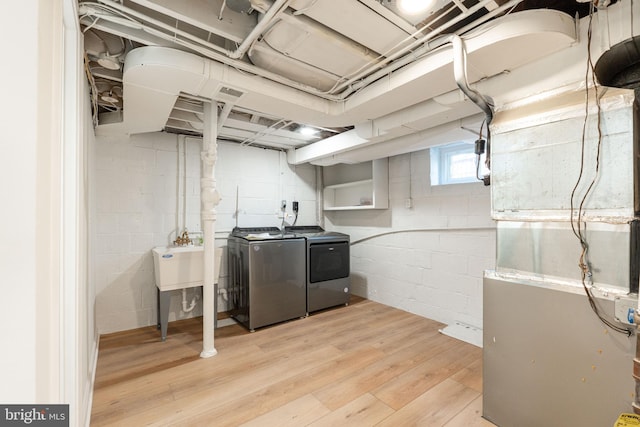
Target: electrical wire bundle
577 224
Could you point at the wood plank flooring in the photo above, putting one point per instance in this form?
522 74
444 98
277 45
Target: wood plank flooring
361 365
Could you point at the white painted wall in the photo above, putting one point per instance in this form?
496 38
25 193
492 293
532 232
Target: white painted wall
18 263
139 204
47 333
77 309
437 273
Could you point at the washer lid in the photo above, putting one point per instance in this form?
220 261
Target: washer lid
262 233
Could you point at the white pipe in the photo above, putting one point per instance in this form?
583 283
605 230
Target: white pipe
177 221
422 230
209 199
278 7
280 124
387 59
224 4
419 52
224 114
183 174
209 49
319 196
130 12
186 309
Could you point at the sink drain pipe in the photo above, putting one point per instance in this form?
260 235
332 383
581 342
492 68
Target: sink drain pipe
191 306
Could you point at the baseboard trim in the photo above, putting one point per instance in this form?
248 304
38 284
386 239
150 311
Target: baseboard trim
92 383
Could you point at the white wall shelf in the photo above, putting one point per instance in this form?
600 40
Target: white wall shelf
357 186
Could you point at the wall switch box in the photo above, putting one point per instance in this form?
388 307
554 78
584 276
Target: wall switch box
408 203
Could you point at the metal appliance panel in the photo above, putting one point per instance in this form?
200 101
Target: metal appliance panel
327 294
328 267
328 282
328 261
267 271
548 361
550 250
238 282
276 281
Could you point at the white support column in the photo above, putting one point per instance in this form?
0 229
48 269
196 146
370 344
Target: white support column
209 199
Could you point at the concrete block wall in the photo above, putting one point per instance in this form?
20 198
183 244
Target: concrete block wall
140 202
428 259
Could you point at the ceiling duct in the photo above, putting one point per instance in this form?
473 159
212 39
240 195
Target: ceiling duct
620 65
154 76
419 96
239 5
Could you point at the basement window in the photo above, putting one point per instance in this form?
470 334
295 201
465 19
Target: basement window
455 164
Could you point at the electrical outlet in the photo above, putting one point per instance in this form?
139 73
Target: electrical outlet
624 308
408 203
283 205
294 206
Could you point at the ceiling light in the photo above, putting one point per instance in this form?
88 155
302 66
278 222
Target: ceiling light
307 131
413 7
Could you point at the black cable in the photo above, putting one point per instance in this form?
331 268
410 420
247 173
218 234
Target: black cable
479 155
578 227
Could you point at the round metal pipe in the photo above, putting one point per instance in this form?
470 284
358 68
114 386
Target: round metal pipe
460 74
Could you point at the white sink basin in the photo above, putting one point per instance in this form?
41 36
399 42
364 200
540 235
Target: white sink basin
181 266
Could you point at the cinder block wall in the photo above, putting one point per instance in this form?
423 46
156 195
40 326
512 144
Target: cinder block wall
139 202
436 273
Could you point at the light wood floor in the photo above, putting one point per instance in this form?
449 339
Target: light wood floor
362 365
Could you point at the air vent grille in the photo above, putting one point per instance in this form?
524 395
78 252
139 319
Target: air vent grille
229 94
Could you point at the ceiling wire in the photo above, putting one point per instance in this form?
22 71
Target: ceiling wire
578 225
94 91
224 5
304 9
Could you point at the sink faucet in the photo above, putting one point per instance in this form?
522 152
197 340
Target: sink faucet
183 240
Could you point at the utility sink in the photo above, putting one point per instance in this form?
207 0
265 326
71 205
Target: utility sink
179 267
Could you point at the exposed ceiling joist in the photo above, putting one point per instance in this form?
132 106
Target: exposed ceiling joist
325 58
